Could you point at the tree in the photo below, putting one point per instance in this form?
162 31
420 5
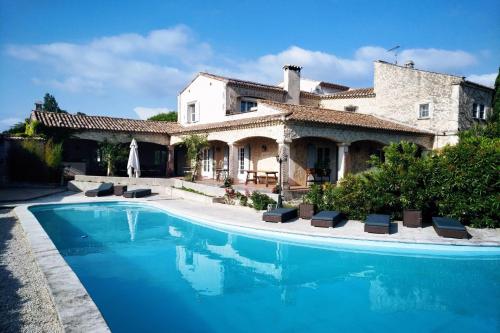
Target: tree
17 129
111 154
50 104
495 115
168 116
194 145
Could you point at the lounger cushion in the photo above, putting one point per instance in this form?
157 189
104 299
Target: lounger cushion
139 193
327 215
279 211
103 189
447 223
280 214
378 220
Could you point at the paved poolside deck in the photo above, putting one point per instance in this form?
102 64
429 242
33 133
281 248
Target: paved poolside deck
249 218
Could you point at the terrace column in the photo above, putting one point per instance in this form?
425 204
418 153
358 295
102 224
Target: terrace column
170 161
233 161
343 160
284 153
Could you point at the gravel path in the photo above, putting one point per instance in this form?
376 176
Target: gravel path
25 303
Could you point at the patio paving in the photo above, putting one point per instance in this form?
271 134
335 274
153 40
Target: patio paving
245 217
20 194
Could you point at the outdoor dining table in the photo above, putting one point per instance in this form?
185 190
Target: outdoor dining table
270 175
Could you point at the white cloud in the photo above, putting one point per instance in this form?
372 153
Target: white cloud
354 70
162 62
145 112
156 64
484 79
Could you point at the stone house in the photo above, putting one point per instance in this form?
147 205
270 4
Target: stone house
324 130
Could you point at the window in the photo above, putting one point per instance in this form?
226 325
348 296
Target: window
242 160
423 111
351 108
191 113
323 158
481 111
246 106
478 111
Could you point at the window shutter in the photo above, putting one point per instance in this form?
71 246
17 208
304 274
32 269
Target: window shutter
247 157
197 111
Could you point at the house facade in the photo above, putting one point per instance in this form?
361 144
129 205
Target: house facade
320 130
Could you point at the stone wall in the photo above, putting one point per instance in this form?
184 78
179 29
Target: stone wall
400 90
349 135
468 96
360 153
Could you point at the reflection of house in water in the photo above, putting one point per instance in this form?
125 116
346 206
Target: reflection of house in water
384 299
227 251
206 275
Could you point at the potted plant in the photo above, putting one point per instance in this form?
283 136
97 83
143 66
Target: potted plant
309 202
413 202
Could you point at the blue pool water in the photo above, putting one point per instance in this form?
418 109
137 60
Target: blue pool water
149 271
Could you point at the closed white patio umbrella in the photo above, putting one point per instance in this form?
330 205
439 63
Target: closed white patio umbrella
133 166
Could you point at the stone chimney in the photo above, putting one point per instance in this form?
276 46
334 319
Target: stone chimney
38 106
410 64
291 83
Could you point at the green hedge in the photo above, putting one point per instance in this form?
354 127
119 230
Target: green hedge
32 160
460 181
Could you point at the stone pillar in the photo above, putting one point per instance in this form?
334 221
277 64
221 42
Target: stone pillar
170 161
284 153
233 161
343 160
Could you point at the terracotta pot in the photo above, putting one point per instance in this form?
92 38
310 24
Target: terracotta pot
306 211
412 218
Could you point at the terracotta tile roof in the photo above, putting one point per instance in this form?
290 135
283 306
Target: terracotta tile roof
243 83
333 85
66 120
352 93
229 124
312 114
306 94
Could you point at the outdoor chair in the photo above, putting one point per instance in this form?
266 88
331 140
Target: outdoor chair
378 224
102 190
448 227
139 193
280 215
326 219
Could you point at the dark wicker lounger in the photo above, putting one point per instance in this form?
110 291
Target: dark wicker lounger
139 193
378 223
103 189
326 219
280 215
448 227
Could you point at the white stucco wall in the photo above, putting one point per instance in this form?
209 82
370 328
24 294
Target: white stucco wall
365 105
210 98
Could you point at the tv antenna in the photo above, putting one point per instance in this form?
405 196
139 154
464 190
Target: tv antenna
395 51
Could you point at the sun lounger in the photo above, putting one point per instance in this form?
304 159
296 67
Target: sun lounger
377 223
103 189
326 219
448 227
139 193
280 215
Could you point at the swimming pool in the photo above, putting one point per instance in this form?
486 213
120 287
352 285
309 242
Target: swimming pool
148 270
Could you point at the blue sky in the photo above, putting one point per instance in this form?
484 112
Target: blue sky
130 58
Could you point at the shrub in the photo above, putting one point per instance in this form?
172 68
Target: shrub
314 196
260 200
466 181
